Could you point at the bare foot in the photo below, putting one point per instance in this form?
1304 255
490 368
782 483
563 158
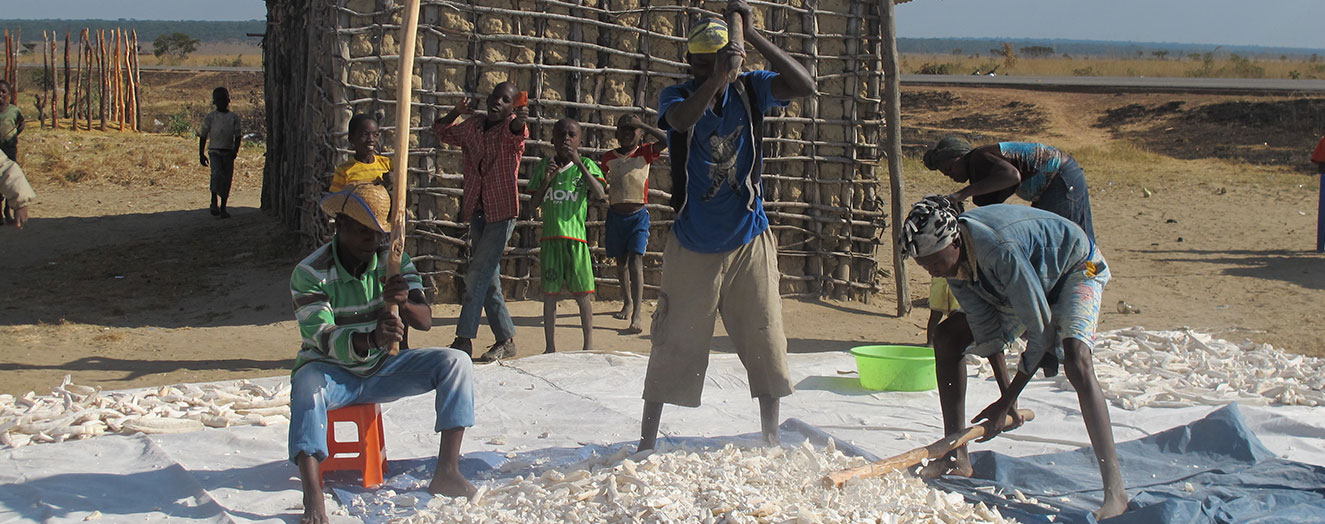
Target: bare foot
451 484
1111 508
955 465
624 313
633 329
315 509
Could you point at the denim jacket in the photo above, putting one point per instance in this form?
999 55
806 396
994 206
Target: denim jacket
1016 258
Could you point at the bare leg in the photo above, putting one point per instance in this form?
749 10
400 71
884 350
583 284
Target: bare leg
586 319
1081 373
623 278
636 262
447 480
649 425
768 419
950 340
550 323
310 475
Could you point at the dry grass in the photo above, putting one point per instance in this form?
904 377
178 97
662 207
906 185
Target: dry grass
68 158
1127 67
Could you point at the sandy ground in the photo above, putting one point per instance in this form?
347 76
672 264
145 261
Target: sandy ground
125 285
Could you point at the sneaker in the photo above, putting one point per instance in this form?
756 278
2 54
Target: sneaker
498 351
463 344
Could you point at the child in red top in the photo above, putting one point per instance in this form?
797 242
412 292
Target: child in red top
491 146
627 170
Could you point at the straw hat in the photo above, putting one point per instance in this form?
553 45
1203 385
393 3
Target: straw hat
369 204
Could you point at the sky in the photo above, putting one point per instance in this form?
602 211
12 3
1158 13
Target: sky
1276 23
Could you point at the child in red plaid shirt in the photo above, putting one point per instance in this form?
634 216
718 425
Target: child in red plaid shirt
491 144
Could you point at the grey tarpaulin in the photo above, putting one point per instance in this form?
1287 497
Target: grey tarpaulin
1212 470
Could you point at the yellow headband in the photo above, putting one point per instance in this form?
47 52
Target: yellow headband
707 37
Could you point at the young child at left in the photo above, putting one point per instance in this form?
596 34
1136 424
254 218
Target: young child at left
11 125
218 145
366 166
561 187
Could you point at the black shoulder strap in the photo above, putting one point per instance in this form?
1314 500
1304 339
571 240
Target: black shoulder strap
678 147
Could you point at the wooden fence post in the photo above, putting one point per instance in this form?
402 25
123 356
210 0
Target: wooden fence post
66 74
137 86
893 114
101 66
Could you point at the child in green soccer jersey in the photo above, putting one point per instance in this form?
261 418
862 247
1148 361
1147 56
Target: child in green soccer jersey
561 187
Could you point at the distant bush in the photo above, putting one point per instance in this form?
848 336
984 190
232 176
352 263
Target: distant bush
1037 51
180 123
937 69
1086 71
238 61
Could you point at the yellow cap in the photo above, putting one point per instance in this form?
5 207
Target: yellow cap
708 36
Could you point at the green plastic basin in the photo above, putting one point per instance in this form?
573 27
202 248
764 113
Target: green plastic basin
896 368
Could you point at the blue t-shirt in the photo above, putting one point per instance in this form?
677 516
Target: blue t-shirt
724 205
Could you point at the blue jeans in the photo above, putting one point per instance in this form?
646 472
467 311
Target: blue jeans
483 280
1068 197
318 387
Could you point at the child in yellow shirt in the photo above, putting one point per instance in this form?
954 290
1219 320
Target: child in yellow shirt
367 166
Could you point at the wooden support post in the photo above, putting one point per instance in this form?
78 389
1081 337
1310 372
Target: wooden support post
9 56
87 79
128 83
45 73
101 66
66 74
78 79
55 117
119 80
893 116
137 85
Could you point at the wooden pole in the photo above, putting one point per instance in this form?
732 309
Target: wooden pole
905 460
78 78
400 165
87 80
101 68
45 72
66 74
9 56
137 86
736 37
55 94
126 98
892 101
119 81
13 70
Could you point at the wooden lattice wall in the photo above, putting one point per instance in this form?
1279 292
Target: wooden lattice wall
594 60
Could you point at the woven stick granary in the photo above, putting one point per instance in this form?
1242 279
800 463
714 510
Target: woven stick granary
596 61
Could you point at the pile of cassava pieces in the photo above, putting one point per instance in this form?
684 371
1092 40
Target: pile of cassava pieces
74 411
1139 368
727 485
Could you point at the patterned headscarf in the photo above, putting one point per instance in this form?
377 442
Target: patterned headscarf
930 226
949 147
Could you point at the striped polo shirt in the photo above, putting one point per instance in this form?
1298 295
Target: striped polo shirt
331 304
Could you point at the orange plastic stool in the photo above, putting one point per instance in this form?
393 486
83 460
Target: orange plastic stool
367 454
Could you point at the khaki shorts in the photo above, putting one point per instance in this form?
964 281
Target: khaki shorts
742 286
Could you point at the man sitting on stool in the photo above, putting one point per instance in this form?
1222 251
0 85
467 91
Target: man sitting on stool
341 297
